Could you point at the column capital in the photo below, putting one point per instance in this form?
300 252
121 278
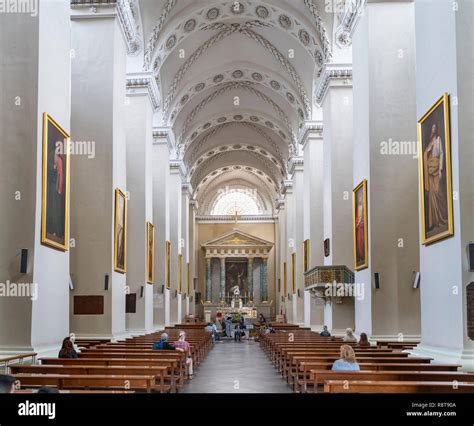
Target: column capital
295 164
310 130
124 10
164 136
187 189
144 84
178 167
332 75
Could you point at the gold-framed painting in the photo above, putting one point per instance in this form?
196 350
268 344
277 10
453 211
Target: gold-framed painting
180 273
188 278
360 226
279 285
120 232
293 272
285 278
150 253
55 185
306 254
436 191
168 264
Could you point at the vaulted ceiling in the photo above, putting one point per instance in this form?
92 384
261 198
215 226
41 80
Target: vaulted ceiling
236 80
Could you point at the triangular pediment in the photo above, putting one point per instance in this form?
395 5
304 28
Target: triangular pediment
237 239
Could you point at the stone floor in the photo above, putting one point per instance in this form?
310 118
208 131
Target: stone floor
236 367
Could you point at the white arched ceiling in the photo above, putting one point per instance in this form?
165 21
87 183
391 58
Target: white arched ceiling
236 79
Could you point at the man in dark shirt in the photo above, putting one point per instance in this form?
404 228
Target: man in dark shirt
325 332
163 344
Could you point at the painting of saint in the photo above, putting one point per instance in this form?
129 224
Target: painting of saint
150 259
360 229
435 172
168 264
236 275
120 237
55 185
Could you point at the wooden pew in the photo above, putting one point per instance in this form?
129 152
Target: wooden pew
353 386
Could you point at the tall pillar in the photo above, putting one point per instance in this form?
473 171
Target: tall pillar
208 280
222 282
33 79
263 280
250 277
192 255
446 328
162 142
98 114
283 248
175 184
335 96
384 79
186 235
139 120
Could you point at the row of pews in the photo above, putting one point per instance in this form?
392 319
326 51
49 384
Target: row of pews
125 366
305 359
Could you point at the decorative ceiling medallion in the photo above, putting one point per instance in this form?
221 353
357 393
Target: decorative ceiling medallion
210 153
190 25
262 12
285 22
173 115
304 37
157 63
251 148
290 98
222 119
270 124
238 117
254 118
199 87
193 136
301 113
237 74
206 126
237 167
170 43
213 13
223 148
257 76
237 8
184 99
218 78
237 146
319 58
263 152
275 85
282 134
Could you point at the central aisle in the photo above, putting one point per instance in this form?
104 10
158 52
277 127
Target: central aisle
240 367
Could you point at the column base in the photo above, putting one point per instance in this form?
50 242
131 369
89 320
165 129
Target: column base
440 355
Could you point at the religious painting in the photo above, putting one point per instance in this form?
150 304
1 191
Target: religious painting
188 278
150 254
120 233
168 264
293 272
306 248
236 275
359 226
327 247
55 185
279 285
285 278
180 273
436 193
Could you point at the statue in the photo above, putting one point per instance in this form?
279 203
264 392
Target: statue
236 299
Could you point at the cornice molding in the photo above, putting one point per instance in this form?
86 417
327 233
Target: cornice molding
332 73
294 164
311 129
178 167
124 12
163 136
137 82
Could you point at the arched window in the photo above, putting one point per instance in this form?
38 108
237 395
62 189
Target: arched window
236 202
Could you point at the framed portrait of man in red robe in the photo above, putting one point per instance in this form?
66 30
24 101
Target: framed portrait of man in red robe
55 185
120 234
360 229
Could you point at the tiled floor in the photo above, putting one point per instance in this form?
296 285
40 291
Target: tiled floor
232 367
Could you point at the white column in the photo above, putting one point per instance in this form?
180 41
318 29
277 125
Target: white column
33 79
98 115
192 255
282 260
444 265
161 212
139 119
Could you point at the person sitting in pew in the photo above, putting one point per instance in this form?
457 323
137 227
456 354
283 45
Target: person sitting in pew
349 337
163 344
363 341
325 332
67 349
183 346
347 362
7 383
270 329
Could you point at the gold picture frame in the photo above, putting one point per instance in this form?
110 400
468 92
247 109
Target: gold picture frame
360 226
285 278
188 278
293 272
55 185
436 191
120 232
306 255
150 252
180 273
168 264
